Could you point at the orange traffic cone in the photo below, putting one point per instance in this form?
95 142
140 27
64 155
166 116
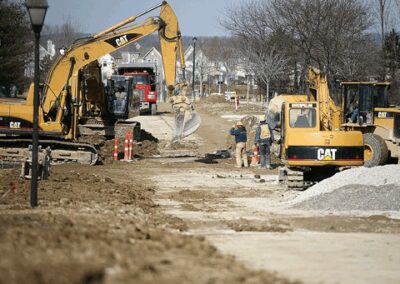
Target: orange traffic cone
255 160
130 147
126 146
116 149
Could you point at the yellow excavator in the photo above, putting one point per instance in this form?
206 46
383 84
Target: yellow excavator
312 144
73 104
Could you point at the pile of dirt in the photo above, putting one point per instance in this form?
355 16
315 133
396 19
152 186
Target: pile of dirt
69 185
181 145
147 148
94 227
365 189
185 195
245 225
213 99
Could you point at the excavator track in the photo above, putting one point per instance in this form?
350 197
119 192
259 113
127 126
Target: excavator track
17 150
295 179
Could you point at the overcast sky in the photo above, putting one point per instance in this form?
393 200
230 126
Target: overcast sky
196 17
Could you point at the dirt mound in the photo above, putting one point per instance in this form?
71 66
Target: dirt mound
70 185
147 148
244 225
100 225
213 99
184 195
181 145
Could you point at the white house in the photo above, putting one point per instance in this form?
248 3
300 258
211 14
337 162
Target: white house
49 51
107 64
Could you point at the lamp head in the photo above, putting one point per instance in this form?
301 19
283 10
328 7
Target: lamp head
37 12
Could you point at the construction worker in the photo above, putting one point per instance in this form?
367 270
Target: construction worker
239 131
264 138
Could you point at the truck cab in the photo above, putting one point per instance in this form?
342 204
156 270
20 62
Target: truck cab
144 84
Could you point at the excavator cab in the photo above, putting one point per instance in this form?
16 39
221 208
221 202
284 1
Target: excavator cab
366 108
122 102
361 98
308 152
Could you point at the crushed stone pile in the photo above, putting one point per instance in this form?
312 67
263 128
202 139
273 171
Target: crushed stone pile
364 189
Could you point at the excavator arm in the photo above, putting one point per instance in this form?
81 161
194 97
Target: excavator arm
330 113
63 78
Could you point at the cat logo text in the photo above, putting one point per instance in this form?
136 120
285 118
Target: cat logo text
326 154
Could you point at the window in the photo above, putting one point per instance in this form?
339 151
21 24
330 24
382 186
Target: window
302 118
141 79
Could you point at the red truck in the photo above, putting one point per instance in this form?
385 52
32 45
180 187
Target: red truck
144 84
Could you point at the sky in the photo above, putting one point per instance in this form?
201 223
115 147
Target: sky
196 17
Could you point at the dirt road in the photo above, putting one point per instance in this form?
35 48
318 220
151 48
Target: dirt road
180 220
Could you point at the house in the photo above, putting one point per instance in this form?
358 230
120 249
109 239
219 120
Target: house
209 71
48 52
107 63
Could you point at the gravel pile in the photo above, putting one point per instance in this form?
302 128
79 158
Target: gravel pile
356 197
365 189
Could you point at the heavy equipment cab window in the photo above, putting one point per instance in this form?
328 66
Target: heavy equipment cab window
379 94
351 99
365 97
141 79
302 118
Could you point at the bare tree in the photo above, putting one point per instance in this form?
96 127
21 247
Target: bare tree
222 54
62 35
382 9
266 63
305 32
323 28
252 24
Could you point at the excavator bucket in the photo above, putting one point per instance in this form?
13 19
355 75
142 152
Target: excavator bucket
186 123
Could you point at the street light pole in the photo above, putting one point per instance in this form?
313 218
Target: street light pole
35 132
194 65
37 12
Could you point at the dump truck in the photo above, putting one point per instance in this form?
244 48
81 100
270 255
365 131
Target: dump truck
145 81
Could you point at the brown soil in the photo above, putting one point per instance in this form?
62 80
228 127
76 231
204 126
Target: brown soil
340 224
180 145
337 224
259 226
99 225
213 99
148 147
